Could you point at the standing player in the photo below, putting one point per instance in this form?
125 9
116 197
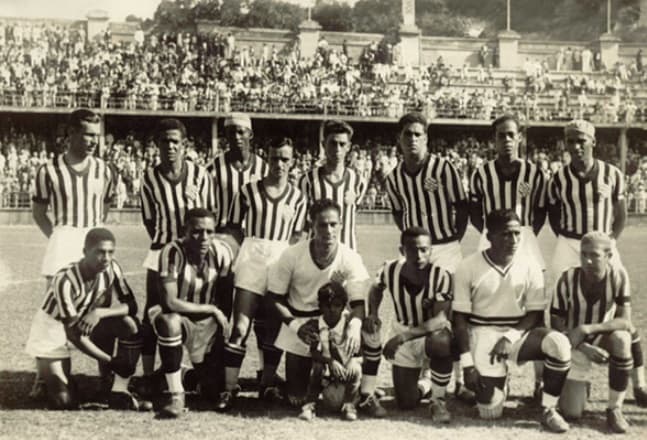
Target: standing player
498 310
79 187
426 191
335 181
188 313
421 333
293 283
271 213
88 304
589 195
591 305
509 183
168 191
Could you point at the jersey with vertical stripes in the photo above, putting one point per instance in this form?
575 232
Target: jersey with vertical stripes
194 284
227 181
347 193
426 199
494 295
267 217
522 192
570 303
68 296
413 308
586 202
165 202
77 198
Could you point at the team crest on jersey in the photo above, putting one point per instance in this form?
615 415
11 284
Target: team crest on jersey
338 276
350 197
431 184
604 191
287 212
191 192
524 189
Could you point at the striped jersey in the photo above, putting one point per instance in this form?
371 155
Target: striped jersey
413 308
426 198
267 217
164 202
227 181
492 295
77 198
586 202
68 296
347 193
194 284
523 191
570 303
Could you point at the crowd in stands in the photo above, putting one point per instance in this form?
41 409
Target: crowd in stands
54 65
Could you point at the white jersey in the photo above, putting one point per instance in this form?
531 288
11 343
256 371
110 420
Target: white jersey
297 276
492 295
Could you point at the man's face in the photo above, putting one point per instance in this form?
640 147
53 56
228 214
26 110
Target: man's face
506 240
239 138
171 145
579 146
507 139
336 147
326 226
199 233
594 260
331 312
85 138
281 161
417 251
413 140
99 256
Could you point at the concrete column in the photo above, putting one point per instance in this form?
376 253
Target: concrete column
102 135
508 44
214 137
309 31
609 48
623 147
410 45
97 23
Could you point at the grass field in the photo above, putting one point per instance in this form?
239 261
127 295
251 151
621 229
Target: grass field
21 291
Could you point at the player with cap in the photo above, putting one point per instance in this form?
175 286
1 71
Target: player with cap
589 195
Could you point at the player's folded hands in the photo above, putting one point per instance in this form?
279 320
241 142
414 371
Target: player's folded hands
595 354
87 323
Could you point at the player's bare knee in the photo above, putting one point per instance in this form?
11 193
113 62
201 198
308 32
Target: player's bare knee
620 343
439 344
130 326
169 324
557 346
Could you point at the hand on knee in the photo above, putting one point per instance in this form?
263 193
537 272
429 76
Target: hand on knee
557 346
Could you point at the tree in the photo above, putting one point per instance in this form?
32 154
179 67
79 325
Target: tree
173 16
333 16
274 14
377 16
209 10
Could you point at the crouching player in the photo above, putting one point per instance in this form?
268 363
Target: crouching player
421 333
591 306
497 312
336 373
190 269
88 305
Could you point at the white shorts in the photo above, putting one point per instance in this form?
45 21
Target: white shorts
64 246
446 255
253 262
412 353
199 334
482 340
567 254
528 247
152 260
47 338
288 341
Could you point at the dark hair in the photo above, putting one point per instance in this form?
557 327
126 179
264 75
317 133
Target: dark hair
412 118
505 118
412 233
170 124
197 213
332 292
337 126
321 205
96 236
496 219
82 115
284 142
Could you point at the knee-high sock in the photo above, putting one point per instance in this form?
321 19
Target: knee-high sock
619 370
441 373
554 376
234 355
638 373
372 354
171 357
